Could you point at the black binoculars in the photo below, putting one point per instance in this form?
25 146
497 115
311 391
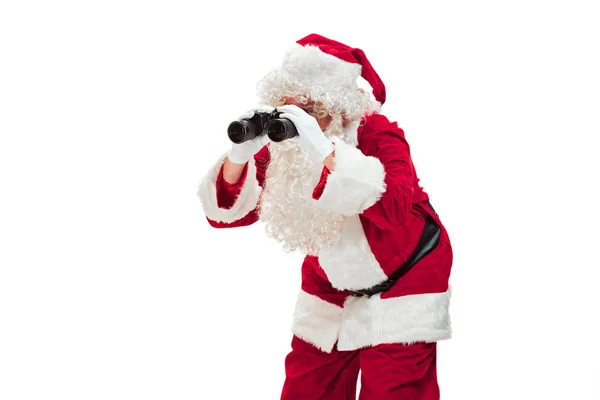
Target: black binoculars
278 129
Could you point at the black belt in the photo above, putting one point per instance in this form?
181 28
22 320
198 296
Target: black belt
427 242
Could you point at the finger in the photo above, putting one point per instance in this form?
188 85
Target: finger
264 139
290 108
294 118
246 115
258 109
264 108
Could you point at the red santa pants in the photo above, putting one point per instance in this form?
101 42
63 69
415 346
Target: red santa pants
389 372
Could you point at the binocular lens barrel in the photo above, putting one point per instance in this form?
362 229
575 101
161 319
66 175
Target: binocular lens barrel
278 129
281 129
241 131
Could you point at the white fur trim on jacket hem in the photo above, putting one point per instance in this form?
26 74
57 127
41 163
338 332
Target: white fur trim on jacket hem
316 321
364 322
407 319
350 263
355 184
245 202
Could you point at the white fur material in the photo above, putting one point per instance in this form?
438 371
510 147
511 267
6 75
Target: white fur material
350 133
313 67
356 182
245 202
350 263
407 319
364 322
316 321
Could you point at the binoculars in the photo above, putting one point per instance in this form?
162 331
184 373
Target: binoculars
278 129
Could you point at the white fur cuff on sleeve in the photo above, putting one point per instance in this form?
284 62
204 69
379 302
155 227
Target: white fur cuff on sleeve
245 202
355 184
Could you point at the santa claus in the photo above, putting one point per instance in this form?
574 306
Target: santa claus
344 191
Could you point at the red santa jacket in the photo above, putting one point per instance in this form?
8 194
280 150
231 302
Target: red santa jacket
375 184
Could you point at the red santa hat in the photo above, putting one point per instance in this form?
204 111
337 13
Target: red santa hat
350 62
326 71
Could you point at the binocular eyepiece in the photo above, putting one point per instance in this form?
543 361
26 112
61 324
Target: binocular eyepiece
278 129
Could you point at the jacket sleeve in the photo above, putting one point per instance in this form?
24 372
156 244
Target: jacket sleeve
373 179
233 205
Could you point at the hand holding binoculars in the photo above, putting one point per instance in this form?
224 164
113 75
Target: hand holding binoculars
278 129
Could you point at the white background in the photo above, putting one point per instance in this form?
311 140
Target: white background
112 283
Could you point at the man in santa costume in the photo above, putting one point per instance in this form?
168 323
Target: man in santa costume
344 191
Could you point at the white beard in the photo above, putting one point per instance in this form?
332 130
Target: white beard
286 205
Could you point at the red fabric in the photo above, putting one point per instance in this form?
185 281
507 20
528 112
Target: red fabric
351 55
399 215
318 191
391 227
389 372
384 140
397 218
315 282
227 193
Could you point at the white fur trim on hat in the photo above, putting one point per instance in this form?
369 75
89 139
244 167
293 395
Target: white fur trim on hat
308 71
315 68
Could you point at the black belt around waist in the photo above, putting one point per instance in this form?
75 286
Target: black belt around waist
427 242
